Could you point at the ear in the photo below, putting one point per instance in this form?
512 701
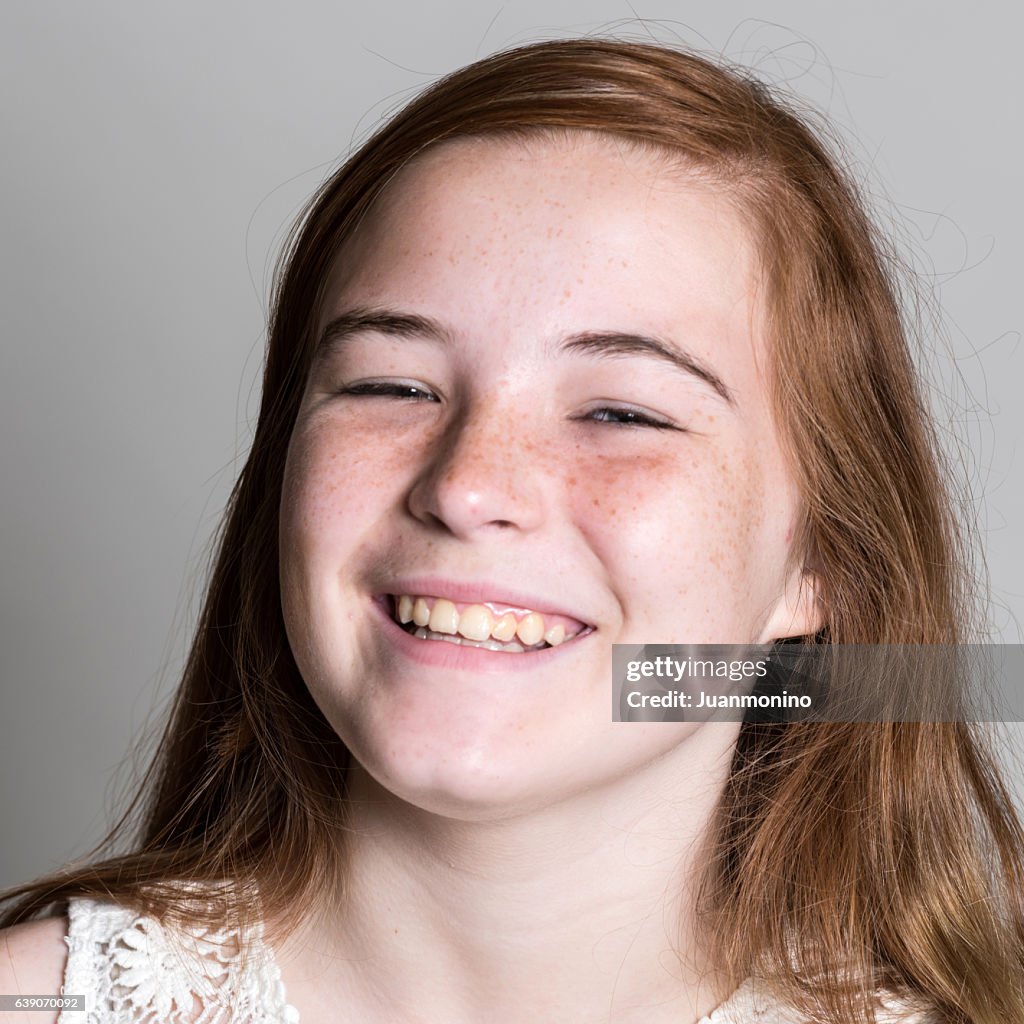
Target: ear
799 611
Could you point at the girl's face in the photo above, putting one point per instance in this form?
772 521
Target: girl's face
537 410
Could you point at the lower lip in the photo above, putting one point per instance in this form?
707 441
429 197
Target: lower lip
472 659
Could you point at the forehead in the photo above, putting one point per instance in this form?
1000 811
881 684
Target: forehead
548 234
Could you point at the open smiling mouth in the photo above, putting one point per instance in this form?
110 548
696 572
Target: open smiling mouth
493 627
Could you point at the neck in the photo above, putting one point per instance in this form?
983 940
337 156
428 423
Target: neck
578 911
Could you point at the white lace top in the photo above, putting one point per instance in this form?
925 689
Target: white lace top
133 970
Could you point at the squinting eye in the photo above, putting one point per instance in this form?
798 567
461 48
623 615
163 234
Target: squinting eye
628 418
407 392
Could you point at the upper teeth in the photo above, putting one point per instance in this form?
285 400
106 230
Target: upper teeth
478 622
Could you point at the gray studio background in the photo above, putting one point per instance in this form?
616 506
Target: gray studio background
152 158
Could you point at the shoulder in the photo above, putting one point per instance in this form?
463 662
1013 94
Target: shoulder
131 965
755 1002
59 955
896 1009
33 957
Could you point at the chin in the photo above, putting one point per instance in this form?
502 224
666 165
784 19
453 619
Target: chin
462 791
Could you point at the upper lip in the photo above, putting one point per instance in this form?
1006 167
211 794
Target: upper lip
478 592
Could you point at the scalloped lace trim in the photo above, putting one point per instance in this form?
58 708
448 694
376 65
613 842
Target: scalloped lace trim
752 1003
134 970
747 1005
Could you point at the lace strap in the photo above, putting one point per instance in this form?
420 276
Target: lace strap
753 1003
134 970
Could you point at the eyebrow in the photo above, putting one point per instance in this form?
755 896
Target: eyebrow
604 344
620 343
382 321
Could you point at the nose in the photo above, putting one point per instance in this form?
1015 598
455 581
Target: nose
484 474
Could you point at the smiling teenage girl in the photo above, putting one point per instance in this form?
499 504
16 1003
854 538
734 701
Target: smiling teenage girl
591 344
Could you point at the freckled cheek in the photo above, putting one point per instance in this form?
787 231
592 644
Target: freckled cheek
337 482
651 516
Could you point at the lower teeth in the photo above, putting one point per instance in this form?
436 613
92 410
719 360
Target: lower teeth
491 645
